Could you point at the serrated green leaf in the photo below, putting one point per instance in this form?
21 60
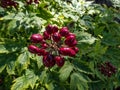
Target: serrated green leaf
9 16
50 86
113 55
42 76
45 14
98 50
8 61
111 39
12 26
82 66
65 71
23 61
97 84
78 82
84 37
11 65
39 61
99 30
10 46
23 82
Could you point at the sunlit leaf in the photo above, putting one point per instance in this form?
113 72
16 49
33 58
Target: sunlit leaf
23 82
65 71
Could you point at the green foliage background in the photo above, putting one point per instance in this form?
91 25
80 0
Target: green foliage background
98 36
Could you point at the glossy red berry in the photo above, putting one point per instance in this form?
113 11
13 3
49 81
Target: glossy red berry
33 49
44 45
72 53
48 60
46 35
75 49
49 29
36 38
64 50
56 37
59 61
42 52
71 34
64 31
54 29
71 41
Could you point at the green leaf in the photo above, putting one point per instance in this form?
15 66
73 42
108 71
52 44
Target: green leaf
10 46
45 14
84 37
9 16
111 39
12 26
11 65
98 30
39 61
94 85
82 66
113 55
65 71
78 82
98 50
22 61
23 82
8 61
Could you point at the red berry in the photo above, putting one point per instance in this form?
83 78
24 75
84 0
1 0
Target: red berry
48 60
71 41
64 31
72 53
33 49
71 34
67 51
54 29
46 35
75 49
56 37
64 50
49 29
59 61
36 38
42 52
44 45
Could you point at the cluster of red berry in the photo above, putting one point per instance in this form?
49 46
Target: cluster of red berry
31 1
8 3
54 44
107 69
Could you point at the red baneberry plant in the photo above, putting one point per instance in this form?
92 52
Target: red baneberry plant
54 45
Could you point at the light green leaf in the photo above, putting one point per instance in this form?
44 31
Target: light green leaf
84 37
39 61
98 50
11 65
23 61
23 82
78 82
65 71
